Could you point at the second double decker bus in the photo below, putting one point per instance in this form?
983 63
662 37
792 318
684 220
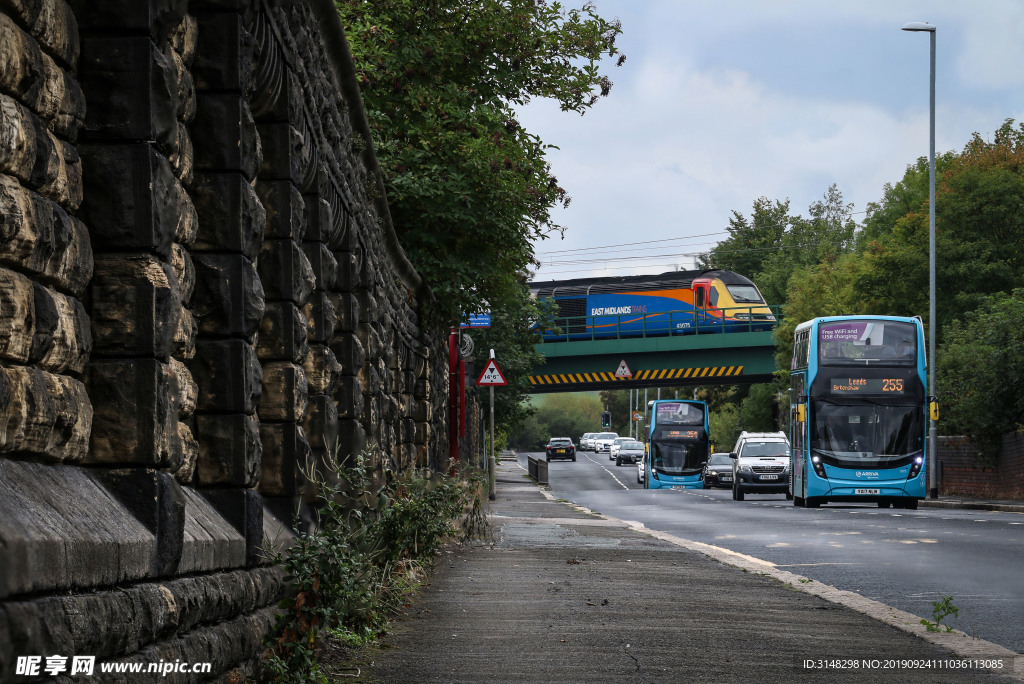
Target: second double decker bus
677 444
859 411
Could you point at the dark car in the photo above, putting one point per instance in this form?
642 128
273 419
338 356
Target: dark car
560 447
718 471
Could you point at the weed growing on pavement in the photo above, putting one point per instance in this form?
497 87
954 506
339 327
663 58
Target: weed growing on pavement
377 531
941 609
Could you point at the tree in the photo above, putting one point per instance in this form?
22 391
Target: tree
469 189
751 242
980 371
979 207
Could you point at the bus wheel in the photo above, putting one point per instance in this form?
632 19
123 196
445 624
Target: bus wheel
910 504
798 501
812 502
883 504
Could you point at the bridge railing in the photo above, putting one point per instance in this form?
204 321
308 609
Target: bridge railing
664 323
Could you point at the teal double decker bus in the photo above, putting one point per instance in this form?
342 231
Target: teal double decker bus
859 411
677 444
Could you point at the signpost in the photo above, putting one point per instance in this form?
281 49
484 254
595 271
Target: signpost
491 377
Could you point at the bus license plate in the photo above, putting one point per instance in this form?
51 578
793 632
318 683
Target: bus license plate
867 491
769 477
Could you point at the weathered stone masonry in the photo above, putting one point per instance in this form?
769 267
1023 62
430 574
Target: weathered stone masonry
199 290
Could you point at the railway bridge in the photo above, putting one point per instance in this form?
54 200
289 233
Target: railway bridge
621 362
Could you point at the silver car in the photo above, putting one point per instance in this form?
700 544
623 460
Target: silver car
616 443
629 452
603 441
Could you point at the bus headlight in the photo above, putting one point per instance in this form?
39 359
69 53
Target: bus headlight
819 467
915 468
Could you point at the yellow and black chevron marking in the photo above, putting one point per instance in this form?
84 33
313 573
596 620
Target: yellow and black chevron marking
646 375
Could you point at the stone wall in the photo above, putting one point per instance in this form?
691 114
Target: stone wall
960 473
200 293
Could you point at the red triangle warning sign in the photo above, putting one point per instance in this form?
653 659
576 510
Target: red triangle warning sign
623 370
491 375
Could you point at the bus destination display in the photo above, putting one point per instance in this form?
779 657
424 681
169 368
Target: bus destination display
849 385
683 434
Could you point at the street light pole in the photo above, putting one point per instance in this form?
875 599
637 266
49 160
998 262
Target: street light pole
933 430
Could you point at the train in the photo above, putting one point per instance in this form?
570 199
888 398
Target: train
673 303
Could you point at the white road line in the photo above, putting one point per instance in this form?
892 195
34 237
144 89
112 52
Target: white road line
605 469
960 643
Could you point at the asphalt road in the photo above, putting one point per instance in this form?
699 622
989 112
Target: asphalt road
905 559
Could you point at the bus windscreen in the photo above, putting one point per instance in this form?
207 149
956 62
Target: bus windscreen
854 343
678 413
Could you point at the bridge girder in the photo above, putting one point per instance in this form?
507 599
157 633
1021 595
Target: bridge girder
676 361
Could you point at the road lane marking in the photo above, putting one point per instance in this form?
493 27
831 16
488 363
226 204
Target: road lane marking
960 643
605 469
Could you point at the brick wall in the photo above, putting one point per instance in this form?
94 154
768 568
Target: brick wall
200 292
959 473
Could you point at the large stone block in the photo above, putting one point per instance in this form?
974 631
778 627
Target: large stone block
61 529
43 414
135 413
228 298
283 333
322 369
230 142
225 56
43 327
286 210
231 216
53 24
348 395
321 423
139 88
348 278
285 456
349 352
211 542
243 509
348 310
136 304
321 316
288 154
285 271
35 78
325 268
318 218
157 501
229 376
38 236
154 18
132 198
31 153
285 392
229 450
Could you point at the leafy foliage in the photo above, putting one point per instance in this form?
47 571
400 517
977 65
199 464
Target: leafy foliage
469 189
374 530
981 370
559 415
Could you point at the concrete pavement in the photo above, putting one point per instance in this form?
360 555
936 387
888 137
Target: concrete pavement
564 595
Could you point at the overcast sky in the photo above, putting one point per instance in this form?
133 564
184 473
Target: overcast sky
721 102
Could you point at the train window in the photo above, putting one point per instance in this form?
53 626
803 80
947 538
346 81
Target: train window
745 294
698 297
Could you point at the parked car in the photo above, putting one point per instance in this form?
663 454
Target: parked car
560 447
603 441
629 451
760 464
718 471
587 441
613 448
640 465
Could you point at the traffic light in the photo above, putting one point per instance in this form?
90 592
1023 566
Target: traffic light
606 419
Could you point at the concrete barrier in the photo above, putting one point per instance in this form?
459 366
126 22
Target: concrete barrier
538 469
